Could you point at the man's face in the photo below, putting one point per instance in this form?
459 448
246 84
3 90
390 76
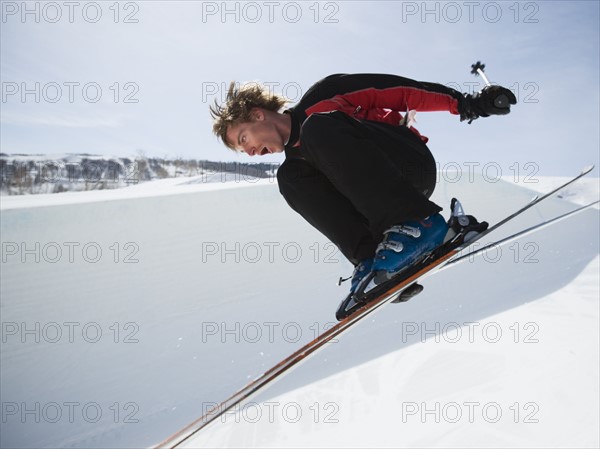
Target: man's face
256 138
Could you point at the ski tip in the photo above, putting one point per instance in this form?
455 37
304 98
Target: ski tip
587 169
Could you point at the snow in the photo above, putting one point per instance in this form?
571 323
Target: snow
583 192
162 187
198 288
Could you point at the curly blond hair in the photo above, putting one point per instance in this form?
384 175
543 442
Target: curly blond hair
238 104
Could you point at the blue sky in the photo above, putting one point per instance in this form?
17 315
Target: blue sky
101 79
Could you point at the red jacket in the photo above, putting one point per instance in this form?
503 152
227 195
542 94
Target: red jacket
382 98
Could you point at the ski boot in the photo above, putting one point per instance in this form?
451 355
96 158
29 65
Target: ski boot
360 272
405 243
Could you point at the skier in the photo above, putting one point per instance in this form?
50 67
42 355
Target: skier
354 167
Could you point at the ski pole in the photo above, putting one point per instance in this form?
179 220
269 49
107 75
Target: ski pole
501 101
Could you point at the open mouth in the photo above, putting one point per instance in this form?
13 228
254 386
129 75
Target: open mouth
264 151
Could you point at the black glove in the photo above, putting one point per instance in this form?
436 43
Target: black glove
492 100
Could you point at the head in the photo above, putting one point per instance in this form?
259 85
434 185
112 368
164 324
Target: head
249 121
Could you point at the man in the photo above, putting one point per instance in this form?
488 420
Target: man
355 169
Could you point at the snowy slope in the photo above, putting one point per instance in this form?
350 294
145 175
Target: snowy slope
150 306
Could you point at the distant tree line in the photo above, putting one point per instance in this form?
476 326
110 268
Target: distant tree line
27 174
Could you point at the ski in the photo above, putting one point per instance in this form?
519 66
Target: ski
535 201
517 235
441 257
415 288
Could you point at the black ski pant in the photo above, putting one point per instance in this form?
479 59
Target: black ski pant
353 179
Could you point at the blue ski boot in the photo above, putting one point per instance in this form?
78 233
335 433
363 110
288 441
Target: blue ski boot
360 272
405 243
